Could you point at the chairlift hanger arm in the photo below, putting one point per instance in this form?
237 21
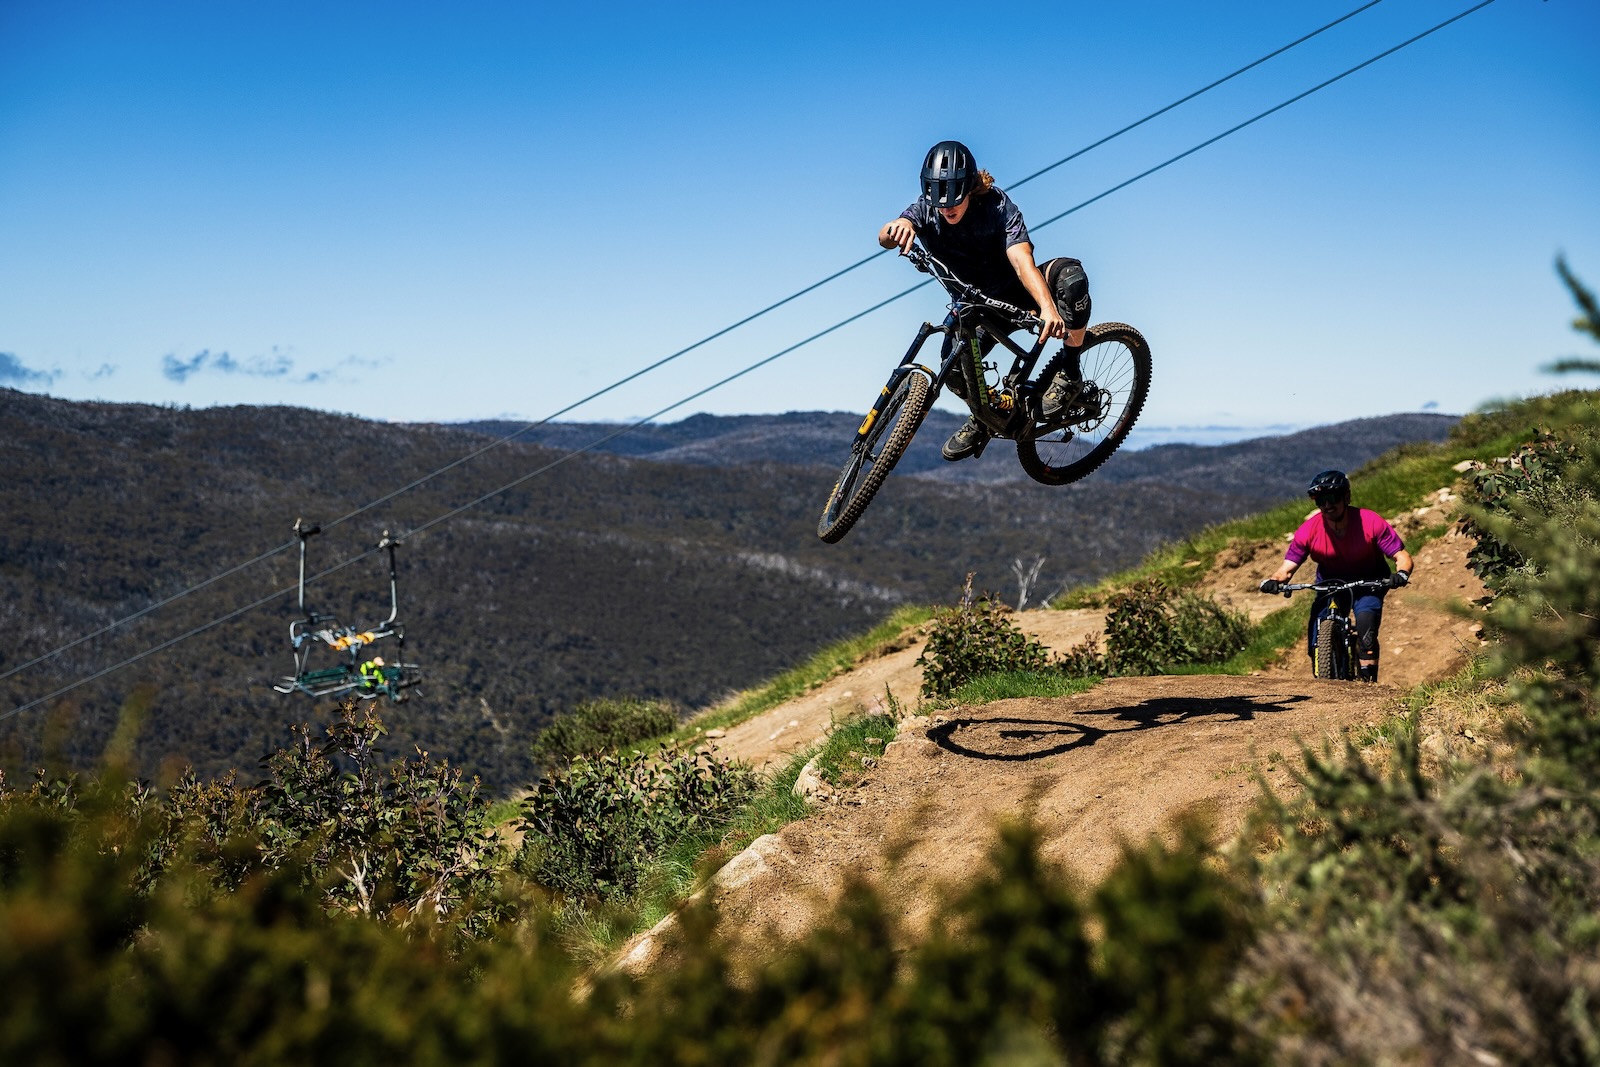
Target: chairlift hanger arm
390 544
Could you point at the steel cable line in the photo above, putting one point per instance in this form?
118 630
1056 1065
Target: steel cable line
269 553
1293 99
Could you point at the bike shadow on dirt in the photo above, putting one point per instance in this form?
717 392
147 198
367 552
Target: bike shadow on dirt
1013 739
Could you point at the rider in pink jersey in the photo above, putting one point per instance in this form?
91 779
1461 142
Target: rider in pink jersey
1349 544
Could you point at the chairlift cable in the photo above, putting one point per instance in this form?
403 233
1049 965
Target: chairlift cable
268 554
702 392
1271 110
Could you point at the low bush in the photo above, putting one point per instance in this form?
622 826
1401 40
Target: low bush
1082 660
1149 627
593 827
599 726
1532 484
410 842
975 637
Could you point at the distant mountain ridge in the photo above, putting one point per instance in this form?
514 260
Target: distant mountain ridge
1268 467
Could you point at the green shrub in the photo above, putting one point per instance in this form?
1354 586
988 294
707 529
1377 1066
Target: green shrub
593 827
602 726
974 638
1082 660
1148 628
1530 485
408 843
1205 631
1138 629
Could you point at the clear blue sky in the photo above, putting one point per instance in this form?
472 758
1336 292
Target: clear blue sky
440 212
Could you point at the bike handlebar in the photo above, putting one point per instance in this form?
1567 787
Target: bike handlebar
1334 585
924 261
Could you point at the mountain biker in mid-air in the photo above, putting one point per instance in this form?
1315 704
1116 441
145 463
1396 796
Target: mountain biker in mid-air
1349 544
971 226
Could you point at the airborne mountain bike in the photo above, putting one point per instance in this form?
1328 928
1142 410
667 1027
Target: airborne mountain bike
1333 647
1111 373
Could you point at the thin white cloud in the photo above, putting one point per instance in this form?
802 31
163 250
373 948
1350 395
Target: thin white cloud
14 371
275 364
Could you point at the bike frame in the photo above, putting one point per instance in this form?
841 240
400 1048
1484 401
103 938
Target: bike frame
972 318
1339 614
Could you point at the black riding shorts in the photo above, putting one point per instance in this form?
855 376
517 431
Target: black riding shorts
1070 287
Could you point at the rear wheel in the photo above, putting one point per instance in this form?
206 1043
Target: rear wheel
1114 366
874 456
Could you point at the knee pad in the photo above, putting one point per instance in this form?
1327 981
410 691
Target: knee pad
1367 634
1069 285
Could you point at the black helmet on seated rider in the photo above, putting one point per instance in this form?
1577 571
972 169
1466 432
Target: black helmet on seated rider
948 174
1331 484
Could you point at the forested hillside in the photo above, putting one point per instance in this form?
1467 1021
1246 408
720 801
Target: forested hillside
606 575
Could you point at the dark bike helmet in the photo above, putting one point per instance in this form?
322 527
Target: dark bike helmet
948 174
1329 483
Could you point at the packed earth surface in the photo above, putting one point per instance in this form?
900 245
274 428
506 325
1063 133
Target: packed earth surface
1130 758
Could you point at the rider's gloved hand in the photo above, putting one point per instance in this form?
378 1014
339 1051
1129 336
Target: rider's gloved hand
1272 586
1399 578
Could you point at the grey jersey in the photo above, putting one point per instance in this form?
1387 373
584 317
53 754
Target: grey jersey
975 248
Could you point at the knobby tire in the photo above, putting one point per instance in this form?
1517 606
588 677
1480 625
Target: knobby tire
869 465
1332 659
1117 358
1324 664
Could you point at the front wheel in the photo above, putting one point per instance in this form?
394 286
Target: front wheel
1113 367
873 456
1325 663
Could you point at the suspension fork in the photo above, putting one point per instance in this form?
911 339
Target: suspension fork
905 367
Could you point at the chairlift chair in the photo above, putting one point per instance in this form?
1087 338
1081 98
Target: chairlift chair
316 629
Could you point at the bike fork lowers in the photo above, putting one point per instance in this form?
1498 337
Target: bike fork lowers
905 367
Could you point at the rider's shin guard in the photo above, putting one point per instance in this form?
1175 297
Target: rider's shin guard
1367 672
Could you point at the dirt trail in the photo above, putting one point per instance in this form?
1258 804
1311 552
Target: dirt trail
1115 764
775 735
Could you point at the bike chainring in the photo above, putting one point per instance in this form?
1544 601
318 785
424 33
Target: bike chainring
1084 412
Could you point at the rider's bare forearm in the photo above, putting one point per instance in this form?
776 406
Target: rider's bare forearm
1402 561
897 233
1285 572
1050 321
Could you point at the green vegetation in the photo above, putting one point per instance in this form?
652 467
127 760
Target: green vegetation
975 648
974 638
854 745
593 827
1283 629
601 726
1149 628
1005 685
